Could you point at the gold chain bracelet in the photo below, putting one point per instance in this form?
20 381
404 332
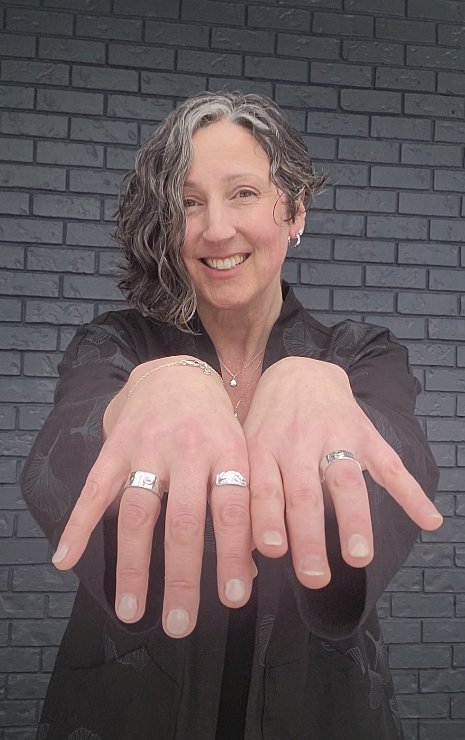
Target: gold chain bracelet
207 370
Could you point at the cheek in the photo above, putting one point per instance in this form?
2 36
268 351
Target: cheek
188 242
187 235
185 252
274 239
193 224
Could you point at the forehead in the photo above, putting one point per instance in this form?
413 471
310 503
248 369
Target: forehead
224 148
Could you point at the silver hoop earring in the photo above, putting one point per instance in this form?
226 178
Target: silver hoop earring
293 243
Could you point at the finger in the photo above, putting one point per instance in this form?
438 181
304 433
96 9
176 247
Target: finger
102 486
387 469
230 507
346 486
184 539
138 514
267 505
305 516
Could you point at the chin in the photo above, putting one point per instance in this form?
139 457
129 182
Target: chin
223 299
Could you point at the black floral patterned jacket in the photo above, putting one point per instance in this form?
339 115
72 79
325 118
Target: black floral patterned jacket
318 668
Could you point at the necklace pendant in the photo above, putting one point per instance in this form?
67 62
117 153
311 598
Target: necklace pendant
233 382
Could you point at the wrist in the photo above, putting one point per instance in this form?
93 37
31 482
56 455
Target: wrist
117 403
313 366
148 369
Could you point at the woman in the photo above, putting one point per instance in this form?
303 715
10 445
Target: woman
221 389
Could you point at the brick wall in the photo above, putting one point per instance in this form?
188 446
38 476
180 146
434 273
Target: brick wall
377 86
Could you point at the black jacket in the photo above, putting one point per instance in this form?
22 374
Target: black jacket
319 669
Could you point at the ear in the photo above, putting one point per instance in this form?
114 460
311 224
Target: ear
298 224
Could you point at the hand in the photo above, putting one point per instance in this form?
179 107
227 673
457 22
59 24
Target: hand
288 434
178 423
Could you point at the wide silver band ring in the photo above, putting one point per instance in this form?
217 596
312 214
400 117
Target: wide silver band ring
336 455
230 478
148 481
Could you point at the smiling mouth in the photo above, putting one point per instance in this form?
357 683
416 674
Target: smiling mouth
225 264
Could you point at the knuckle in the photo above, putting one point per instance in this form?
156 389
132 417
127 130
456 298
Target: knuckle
257 443
233 514
91 491
392 466
230 560
148 435
345 478
237 448
130 574
184 527
366 425
179 585
117 439
304 497
133 515
114 453
265 492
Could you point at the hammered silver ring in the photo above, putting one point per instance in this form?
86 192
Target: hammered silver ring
148 481
336 455
230 478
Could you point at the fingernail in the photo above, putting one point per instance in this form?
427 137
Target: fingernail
177 622
273 537
234 590
358 546
60 554
127 606
431 510
254 569
312 565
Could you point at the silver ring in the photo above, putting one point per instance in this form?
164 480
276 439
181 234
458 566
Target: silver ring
339 455
148 481
230 478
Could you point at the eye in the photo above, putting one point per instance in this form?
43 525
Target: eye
189 202
244 194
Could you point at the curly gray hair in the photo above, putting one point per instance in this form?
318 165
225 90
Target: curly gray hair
151 215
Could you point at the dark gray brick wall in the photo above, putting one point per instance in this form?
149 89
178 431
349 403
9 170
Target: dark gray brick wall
377 87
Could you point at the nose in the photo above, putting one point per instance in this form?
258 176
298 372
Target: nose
218 224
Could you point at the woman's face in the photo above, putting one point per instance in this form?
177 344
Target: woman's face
236 227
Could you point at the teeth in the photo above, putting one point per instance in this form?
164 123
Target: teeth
227 263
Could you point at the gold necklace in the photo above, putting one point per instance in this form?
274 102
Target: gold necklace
233 381
246 388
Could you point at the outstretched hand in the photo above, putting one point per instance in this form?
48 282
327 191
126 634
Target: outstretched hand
302 410
177 423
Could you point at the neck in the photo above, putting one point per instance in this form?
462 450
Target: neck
240 333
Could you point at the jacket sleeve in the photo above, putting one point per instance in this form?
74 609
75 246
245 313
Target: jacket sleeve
386 390
94 368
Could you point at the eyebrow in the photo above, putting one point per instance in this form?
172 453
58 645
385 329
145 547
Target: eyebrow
230 178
